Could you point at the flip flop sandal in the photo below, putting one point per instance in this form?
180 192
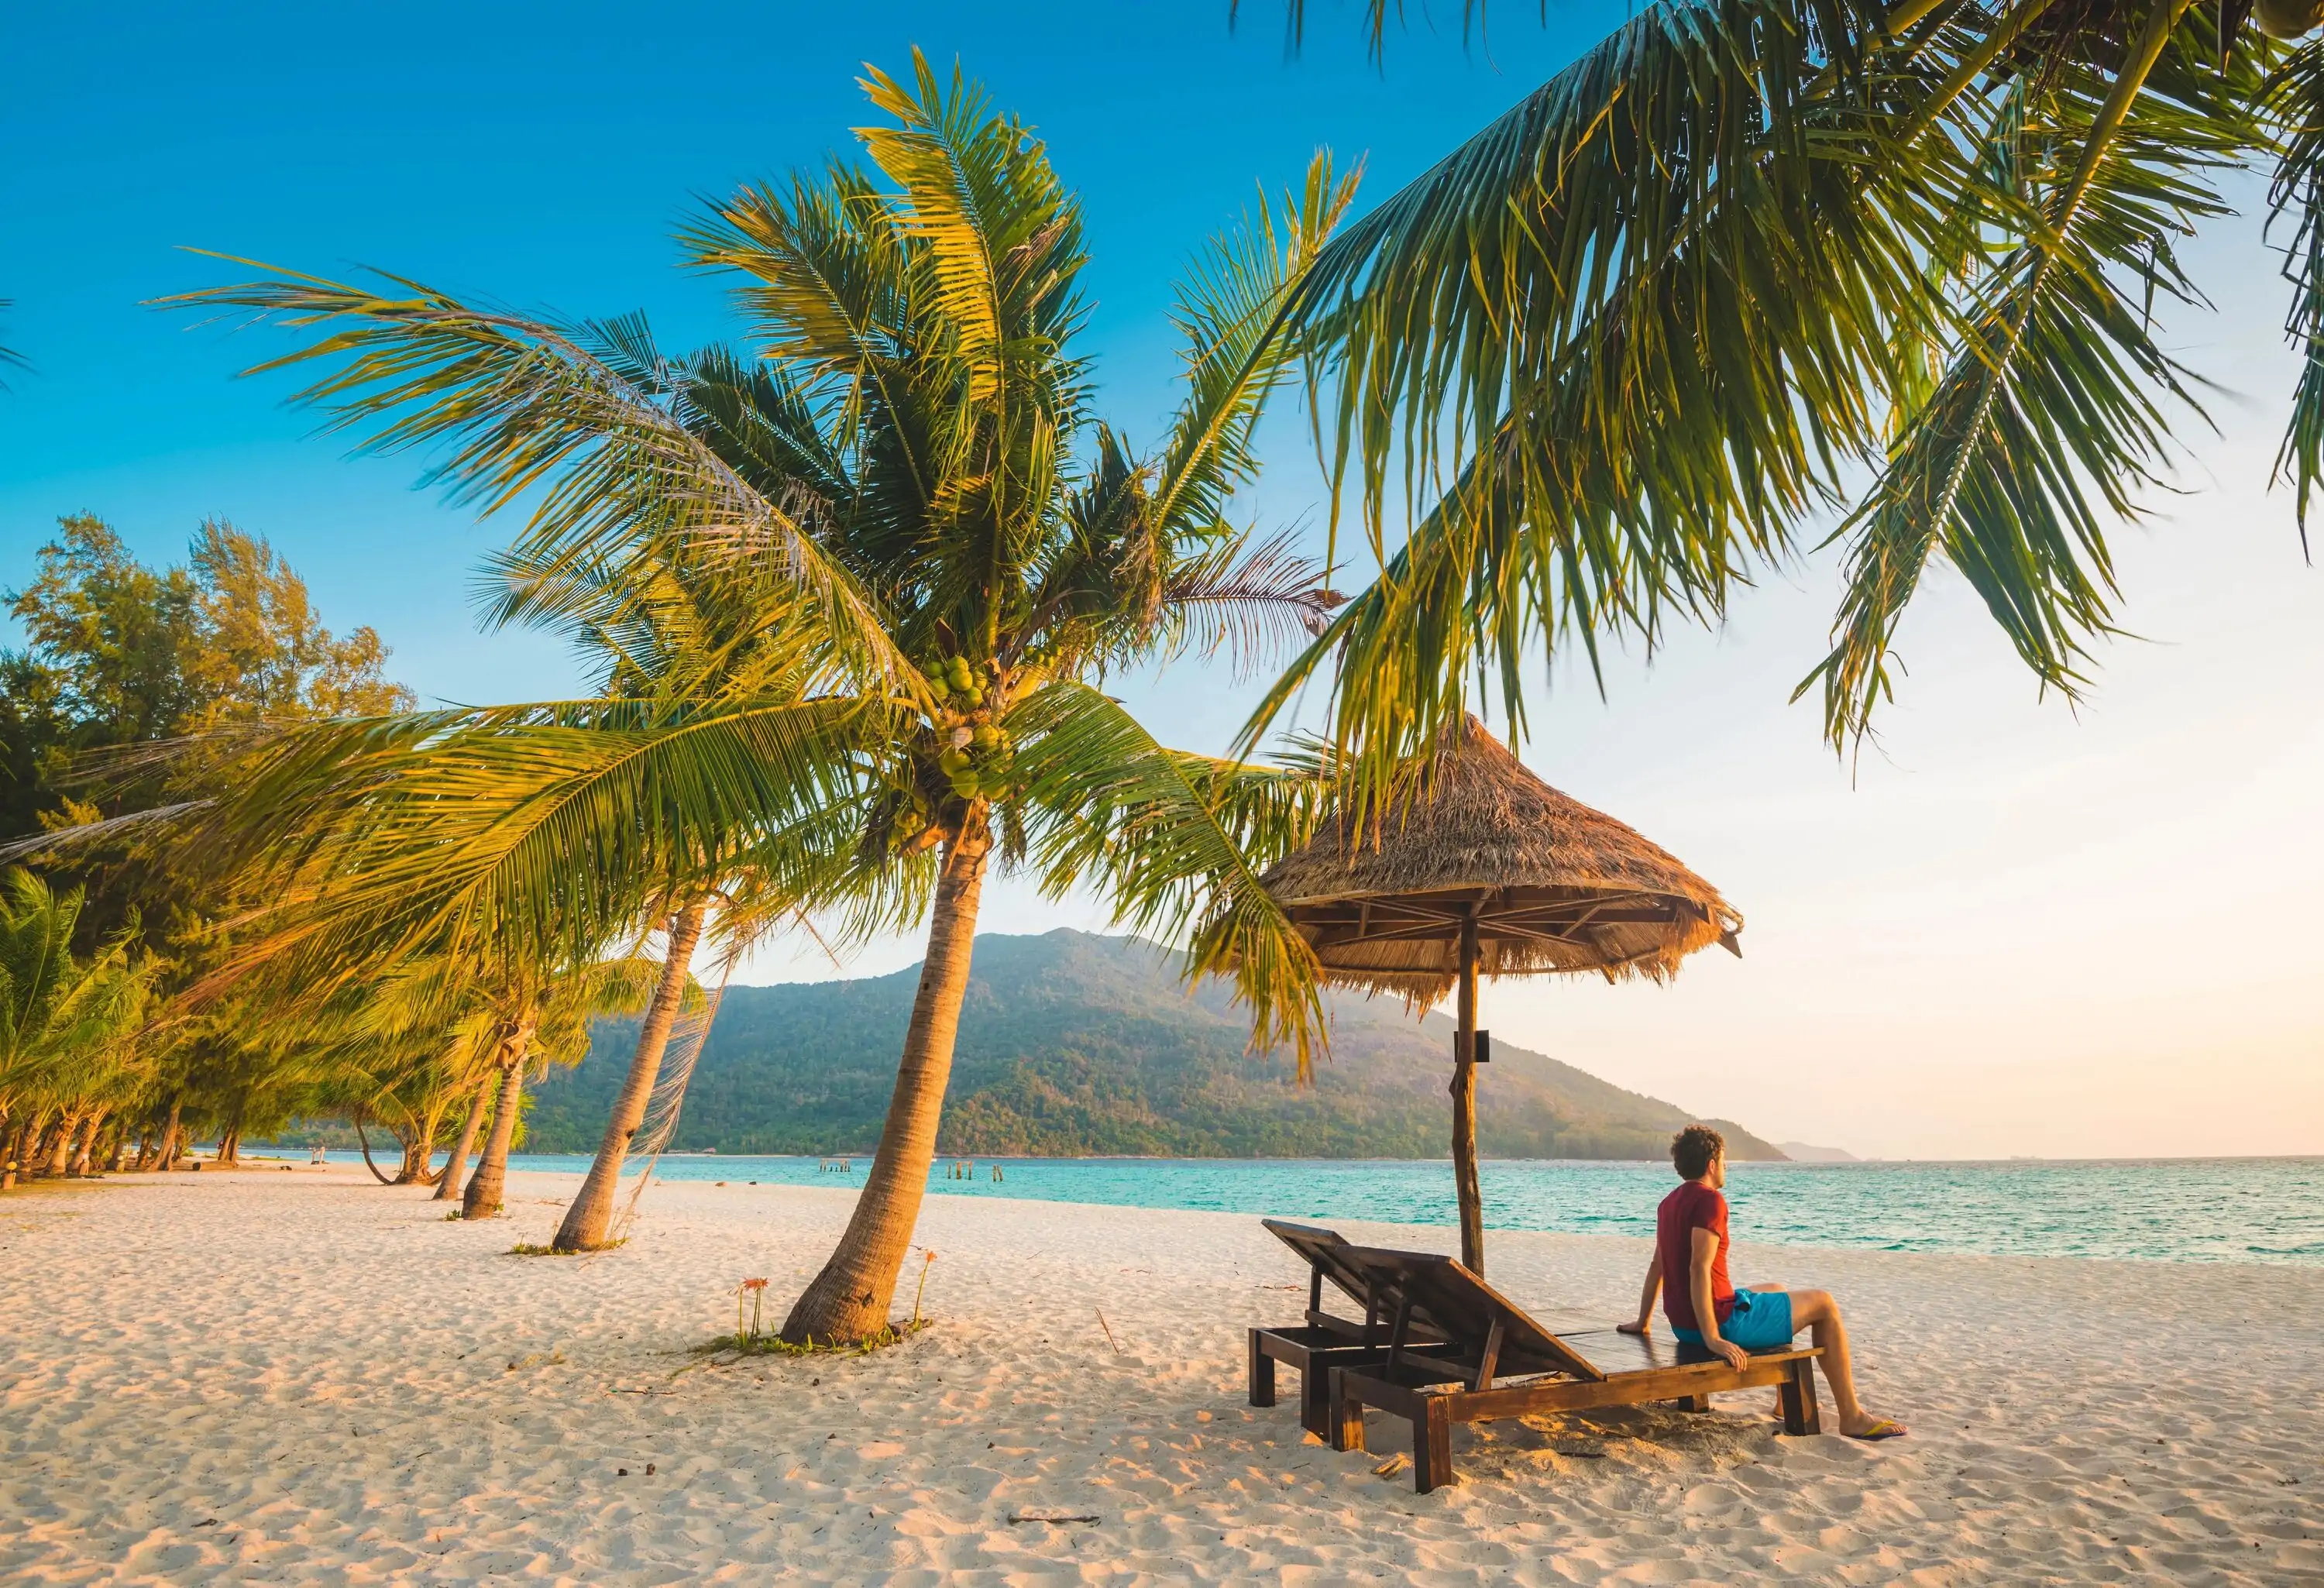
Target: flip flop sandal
1883 1429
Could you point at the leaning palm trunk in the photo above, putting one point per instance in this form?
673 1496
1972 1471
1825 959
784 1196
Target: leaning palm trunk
88 1143
449 1181
592 1213
849 1298
166 1154
61 1146
419 1148
482 1197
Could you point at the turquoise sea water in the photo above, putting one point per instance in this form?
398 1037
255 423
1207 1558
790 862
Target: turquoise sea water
2185 1210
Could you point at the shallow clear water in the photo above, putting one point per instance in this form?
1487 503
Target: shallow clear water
2185 1210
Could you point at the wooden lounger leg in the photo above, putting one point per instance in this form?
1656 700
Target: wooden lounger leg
1314 1401
1432 1446
1692 1403
1345 1414
1799 1399
1262 1374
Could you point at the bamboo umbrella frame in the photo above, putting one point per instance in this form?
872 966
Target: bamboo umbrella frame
1478 866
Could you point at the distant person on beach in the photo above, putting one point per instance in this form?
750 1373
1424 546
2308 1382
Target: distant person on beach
1691 1253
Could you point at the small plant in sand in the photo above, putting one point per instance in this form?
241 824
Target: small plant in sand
750 1337
754 1291
926 1257
746 1344
528 1249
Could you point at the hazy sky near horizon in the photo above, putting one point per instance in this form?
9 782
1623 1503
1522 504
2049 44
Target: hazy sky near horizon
2017 928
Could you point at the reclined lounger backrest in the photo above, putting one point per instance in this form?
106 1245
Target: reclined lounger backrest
1449 1300
1325 1252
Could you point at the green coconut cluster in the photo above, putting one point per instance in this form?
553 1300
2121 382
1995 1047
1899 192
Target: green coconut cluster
954 683
977 757
980 769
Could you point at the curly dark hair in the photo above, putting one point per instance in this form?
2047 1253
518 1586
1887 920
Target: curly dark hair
1692 1149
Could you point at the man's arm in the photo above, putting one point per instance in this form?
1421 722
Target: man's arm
1654 1287
1706 1314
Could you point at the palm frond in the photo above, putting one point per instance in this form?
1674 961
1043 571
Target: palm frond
1610 354
1001 235
1174 843
1374 23
529 835
1152 553
1248 598
522 406
2293 101
932 319
70 1024
2048 420
1459 602
697 629
1622 339
1237 349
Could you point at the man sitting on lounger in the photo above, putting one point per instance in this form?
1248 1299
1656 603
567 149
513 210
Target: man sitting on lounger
1705 1310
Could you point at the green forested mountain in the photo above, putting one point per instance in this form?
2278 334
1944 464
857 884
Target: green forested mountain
1072 1044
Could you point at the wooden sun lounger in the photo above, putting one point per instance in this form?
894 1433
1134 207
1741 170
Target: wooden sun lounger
1482 1341
1325 1341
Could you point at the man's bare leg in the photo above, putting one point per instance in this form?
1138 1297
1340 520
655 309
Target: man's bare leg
1816 1311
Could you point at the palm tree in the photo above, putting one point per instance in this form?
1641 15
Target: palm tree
911 478
69 1056
365 803
542 1021
1748 261
673 631
589 1217
410 1087
447 1178
403 1048
435 1027
429 872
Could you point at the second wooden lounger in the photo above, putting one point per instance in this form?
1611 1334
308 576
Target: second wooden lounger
1324 1340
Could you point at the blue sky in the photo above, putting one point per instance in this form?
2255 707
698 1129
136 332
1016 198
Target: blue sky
542 155
2019 929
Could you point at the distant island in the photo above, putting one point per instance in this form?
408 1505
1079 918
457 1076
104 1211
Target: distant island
1075 1044
1803 1153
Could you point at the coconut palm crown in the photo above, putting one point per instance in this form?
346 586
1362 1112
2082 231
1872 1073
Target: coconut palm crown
945 547
1746 266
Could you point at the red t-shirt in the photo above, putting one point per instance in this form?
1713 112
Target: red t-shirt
1692 1206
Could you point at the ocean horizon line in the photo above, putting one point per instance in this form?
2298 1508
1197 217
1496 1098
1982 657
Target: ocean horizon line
2215 1210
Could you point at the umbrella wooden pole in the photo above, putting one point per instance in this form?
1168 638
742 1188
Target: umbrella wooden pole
1464 1106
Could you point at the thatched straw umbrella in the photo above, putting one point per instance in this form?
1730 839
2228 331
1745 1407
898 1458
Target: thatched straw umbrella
1482 866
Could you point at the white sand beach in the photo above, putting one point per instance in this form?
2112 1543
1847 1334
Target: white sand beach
296 1376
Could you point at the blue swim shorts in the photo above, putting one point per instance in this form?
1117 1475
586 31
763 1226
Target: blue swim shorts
1761 1321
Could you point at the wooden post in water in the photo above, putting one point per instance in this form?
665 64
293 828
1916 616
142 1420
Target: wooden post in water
1464 1105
